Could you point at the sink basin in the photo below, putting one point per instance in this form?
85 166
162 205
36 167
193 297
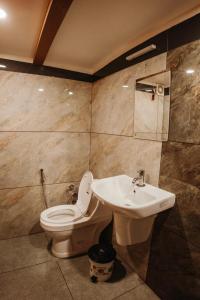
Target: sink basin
137 202
134 208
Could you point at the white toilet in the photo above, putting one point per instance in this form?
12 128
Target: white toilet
75 228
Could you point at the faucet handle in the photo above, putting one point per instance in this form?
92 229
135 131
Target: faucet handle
141 172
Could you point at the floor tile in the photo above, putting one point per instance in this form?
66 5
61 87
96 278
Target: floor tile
40 282
142 292
23 251
76 273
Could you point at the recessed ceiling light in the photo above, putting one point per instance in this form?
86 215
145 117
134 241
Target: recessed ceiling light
3 14
70 93
125 86
3 66
40 90
190 71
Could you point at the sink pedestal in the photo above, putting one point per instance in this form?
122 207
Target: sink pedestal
131 231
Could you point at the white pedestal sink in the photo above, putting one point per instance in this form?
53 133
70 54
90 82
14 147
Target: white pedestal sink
135 208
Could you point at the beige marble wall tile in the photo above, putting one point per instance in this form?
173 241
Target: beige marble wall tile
24 108
20 211
63 156
113 97
57 194
156 64
113 155
113 105
20 208
146 110
113 101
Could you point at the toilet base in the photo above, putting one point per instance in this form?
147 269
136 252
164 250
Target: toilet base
76 241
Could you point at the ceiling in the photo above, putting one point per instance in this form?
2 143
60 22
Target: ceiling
93 32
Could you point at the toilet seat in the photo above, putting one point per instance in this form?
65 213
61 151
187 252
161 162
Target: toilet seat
58 217
61 215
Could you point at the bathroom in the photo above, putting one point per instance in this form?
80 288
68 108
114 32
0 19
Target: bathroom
78 102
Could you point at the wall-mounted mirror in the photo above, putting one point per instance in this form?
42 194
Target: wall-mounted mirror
152 103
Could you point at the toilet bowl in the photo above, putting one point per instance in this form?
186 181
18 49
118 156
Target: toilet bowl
75 228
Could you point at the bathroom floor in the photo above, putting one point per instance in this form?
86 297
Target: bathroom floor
29 271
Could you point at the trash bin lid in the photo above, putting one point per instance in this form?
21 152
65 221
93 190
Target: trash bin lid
100 253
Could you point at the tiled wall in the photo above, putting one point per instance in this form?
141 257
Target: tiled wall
39 129
174 265
114 150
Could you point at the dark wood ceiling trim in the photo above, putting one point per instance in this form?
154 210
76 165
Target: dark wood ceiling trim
178 35
174 37
121 63
56 12
29 68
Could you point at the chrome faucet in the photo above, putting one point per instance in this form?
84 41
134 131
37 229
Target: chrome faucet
139 180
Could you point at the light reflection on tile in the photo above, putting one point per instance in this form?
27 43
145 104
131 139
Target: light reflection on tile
41 103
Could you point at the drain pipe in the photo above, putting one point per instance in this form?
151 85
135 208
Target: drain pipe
42 180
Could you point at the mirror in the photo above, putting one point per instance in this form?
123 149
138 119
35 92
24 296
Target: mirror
152 104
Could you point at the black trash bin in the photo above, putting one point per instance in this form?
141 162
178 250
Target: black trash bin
101 259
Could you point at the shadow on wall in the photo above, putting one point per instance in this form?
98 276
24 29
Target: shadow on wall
174 263
36 228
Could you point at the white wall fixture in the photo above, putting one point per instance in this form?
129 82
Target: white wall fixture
141 52
134 207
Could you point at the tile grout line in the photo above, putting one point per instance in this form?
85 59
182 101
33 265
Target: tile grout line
21 236
64 279
44 131
38 185
94 132
142 283
25 267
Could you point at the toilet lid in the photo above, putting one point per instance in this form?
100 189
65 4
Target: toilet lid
85 192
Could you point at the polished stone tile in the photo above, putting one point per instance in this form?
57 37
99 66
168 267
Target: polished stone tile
40 282
57 194
181 161
174 266
156 64
184 57
183 218
24 251
185 108
24 108
113 104
64 157
113 97
142 292
20 211
76 273
114 155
